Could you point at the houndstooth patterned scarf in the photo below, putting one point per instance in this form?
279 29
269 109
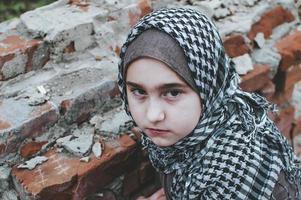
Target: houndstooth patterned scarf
235 151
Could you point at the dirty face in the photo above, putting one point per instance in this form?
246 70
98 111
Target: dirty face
162 104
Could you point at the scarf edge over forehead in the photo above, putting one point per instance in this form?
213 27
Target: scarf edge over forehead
242 151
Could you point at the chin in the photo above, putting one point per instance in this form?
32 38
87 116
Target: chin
161 143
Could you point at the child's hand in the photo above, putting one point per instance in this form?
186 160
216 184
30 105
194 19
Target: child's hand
159 195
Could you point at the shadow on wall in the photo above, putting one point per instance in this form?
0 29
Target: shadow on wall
13 8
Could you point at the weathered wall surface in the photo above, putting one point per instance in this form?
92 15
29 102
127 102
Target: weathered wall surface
63 133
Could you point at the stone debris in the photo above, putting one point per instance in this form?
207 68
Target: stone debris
36 99
243 64
111 121
268 56
10 195
42 90
259 39
79 143
64 83
281 30
32 163
221 13
35 95
97 149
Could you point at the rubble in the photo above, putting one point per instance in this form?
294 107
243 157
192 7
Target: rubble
243 64
10 195
97 149
59 95
32 163
79 142
85 159
260 40
4 177
269 56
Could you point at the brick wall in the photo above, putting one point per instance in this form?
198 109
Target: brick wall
63 133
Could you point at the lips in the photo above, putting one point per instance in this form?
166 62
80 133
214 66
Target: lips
156 132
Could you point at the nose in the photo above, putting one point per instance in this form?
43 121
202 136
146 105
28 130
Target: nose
155 112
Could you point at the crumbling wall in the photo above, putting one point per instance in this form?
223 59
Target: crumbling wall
63 133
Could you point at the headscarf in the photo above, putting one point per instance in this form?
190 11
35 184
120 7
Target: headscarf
235 151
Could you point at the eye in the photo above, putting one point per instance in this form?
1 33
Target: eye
173 93
138 92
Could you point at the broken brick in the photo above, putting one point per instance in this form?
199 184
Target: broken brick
284 121
281 97
236 45
17 56
255 79
31 148
65 177
26 121
270 20
268 90
285 79
146 172
289 48
131 182
143 7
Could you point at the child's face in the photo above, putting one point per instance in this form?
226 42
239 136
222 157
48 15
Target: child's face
162 104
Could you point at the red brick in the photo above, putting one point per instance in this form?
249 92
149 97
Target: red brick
285 79
65 177
270 20
2 148
255 79
236 45
4 125
147 190
131 183
290 49
268 90
31 148
27 122
297 127
140 176
132 12
65 105
284 121
281 97
78 109
146 172
142 8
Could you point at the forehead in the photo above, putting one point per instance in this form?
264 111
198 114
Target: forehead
150 71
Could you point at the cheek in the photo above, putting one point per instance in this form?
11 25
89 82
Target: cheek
136 110
187 115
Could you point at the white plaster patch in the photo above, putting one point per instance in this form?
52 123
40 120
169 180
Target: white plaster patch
111 122
243 64
97 149
32 163
269 56
259 39
79 143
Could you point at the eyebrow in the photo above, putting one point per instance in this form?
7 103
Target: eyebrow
161 87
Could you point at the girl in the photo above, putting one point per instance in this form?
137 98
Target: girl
207 138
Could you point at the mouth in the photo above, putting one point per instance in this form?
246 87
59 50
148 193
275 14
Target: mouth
152 132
